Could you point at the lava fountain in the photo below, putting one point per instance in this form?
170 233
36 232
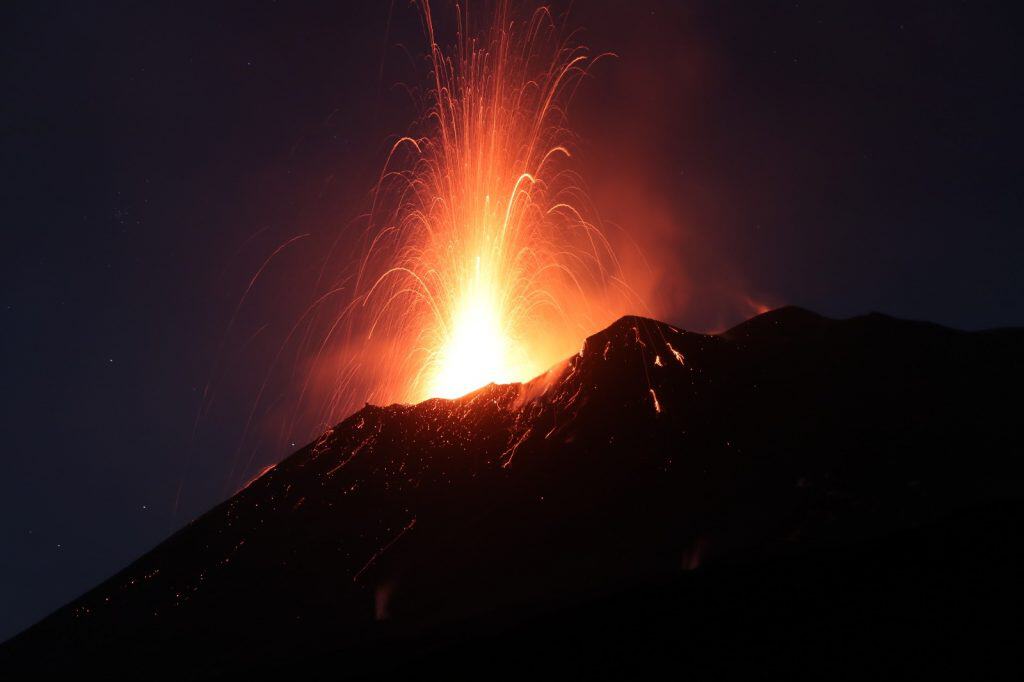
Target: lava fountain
484 261
482 257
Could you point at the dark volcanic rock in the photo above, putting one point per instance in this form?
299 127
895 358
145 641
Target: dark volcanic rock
844 492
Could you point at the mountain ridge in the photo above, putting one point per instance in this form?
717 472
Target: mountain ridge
650 454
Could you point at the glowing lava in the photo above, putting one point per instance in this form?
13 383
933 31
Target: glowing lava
477 348
483 261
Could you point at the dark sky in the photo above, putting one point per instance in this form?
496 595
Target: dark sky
847 157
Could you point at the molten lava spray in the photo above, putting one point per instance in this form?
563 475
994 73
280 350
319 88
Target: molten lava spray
484 261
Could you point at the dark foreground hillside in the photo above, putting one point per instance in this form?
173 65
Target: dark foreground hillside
826 498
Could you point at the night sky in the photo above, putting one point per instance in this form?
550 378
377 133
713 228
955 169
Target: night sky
846 157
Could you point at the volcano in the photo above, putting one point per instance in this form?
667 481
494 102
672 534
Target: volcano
819 496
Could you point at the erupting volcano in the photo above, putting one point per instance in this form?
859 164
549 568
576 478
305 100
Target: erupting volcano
543 478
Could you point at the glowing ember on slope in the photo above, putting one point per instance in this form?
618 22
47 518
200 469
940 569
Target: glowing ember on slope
483 265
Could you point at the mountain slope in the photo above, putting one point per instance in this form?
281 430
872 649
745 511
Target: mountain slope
655 459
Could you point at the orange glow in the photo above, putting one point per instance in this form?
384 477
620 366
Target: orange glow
484 261
477 348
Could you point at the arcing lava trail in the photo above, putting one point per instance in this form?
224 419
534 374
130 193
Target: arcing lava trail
660 497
